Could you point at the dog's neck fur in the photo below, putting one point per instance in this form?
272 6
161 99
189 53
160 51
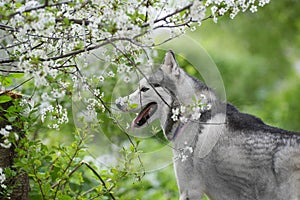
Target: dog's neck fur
183 88
179 98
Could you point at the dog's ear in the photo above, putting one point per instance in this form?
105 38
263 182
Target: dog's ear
170 65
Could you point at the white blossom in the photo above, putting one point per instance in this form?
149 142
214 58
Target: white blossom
263 2
28 5
96 92
6 144
175 112
182 109
101 78
16 136
58 94
128 69
8 127
222 11
122 101
193 28
60 117
183 157
111 74
198 11
126 79
2 176
4 132
185 152
214 10
5 136
253 9
196 113
183 119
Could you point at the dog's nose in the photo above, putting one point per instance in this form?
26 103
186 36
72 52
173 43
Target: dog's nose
119 106
121 103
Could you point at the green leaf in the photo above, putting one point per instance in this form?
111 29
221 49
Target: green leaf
37 163
65 197
5 98
11 118
114 171
6 81
16 75
134 105
132 148
67 21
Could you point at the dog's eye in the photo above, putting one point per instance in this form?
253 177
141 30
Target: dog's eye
144 89
156 85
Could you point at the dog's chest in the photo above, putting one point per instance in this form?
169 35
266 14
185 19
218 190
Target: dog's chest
201 137
238 170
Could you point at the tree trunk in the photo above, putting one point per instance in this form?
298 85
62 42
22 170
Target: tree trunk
20 182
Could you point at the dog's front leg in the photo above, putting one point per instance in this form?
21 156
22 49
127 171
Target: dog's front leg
188 181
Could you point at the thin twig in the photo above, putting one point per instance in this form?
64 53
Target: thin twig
100 178
169 15
6 27
140 71
22 83
108 190
78 147
40 7
38 180
11 71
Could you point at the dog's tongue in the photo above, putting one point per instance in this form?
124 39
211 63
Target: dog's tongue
141 116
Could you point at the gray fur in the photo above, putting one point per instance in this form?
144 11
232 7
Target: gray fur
226 154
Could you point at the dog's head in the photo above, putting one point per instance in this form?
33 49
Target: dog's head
154 96
159 93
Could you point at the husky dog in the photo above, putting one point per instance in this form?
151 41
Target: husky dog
225 154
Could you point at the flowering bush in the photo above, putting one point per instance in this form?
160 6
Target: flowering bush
51 52
46 42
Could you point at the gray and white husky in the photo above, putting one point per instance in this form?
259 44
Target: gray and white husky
223 153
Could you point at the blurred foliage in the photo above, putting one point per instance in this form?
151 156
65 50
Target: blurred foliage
257 56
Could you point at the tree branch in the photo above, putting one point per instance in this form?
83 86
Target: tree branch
169 15
99 177
12 71
46 4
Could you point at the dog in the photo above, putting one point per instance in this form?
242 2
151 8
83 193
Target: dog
218 150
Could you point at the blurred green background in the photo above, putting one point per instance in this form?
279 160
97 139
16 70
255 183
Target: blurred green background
258 56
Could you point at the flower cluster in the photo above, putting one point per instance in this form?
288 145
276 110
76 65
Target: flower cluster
198 11
184 113
233 7
58 115
185 152
5 132
2 178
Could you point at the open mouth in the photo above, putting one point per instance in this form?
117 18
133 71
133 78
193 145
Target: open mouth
145 114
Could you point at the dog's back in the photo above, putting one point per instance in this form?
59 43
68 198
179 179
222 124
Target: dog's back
252 161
